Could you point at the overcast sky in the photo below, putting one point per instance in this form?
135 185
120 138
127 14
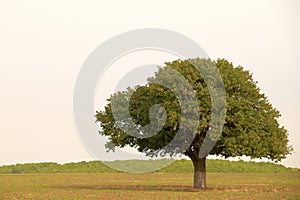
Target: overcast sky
44 43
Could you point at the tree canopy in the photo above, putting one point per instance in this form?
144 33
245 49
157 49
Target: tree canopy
250 128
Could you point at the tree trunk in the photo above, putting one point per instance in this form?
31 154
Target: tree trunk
199 173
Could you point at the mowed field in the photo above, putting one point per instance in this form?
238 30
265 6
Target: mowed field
149 186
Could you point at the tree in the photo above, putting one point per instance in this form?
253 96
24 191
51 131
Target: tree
250 128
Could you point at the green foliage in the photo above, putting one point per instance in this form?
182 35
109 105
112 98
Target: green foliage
49 167
225 166
139 166
251 126
178 166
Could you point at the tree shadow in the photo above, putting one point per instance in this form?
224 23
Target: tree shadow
173 188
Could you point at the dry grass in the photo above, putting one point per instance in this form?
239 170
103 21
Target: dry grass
149 186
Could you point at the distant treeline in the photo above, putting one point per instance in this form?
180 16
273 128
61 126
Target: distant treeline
178 166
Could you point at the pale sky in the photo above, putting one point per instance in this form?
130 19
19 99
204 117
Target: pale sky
44 43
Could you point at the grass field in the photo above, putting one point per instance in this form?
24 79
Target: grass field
149 186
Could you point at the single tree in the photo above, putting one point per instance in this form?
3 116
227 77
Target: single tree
250 128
